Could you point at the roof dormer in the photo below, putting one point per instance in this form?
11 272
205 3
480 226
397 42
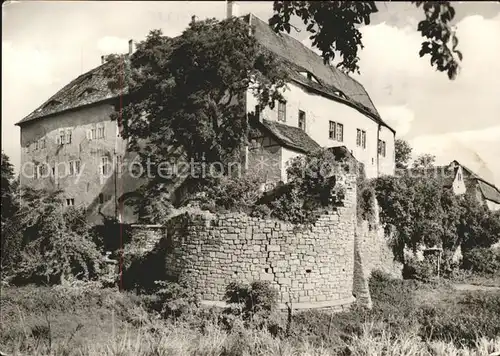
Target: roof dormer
309 76
52 103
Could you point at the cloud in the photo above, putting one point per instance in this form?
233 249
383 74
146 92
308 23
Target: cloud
23 64
111 44
398 117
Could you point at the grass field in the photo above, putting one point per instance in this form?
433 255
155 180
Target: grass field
408 318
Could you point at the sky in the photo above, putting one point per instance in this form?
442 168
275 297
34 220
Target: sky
47 44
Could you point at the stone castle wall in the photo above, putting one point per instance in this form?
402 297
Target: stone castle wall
318 266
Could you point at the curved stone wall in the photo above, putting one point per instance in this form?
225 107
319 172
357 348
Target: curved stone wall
309 266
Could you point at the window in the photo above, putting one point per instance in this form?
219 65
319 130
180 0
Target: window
70 202
93 134
361 138
459 177
60 138
281 111
336 131
68 136
302 120
42 170
101 198
104 166
42 143
36 145
381 148
74 168
35 170
100 131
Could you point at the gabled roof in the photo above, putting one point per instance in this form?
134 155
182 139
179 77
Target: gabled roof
290 137
489 190
88 88
300 58
297 58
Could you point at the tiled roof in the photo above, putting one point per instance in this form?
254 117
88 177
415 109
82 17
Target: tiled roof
88 88
291 137
92 87
301 58
489 190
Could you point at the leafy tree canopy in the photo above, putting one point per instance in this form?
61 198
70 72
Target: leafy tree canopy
183 91
7 188
334 28
425 160
402 153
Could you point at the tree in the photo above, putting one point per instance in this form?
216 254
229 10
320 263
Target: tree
411 208
7 189
425 160
403 153
184 93
334 28
51 248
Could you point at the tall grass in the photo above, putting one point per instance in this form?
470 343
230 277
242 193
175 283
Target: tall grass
92 321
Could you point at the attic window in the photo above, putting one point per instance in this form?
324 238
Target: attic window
52 103
87 91
309 76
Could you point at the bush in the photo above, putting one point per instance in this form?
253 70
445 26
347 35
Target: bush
175 299
255 304
232 193
482 261
423 270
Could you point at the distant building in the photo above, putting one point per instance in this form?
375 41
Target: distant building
462 180
71 143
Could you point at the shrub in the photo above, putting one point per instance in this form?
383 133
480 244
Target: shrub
313 186
54 247
175 299
482 260
232 193
422 270
255 302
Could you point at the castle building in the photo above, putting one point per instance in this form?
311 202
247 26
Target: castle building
70 142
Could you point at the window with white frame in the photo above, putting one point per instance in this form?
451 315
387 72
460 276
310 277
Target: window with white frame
35 170
381 148
100 131
336 131
74 167
361 138
61 137
70 202
68 136
302 120
282 111
105 168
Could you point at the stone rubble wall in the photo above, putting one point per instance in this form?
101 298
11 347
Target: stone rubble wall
320 266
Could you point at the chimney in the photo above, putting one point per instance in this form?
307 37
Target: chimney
102 60
130 47
193 19
231 9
